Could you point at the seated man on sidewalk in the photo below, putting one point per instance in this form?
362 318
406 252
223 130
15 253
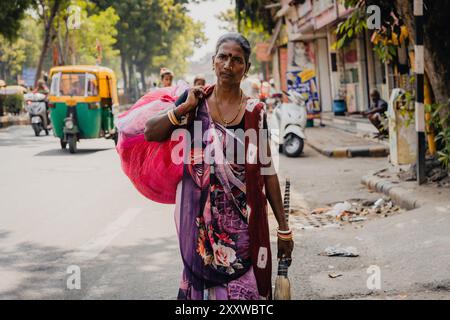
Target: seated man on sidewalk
376 113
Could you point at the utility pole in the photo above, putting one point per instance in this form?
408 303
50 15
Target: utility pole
419 107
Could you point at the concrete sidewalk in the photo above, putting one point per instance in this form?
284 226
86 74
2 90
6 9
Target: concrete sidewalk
12 120
333 142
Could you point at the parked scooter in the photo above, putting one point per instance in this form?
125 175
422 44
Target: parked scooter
35 105
288 124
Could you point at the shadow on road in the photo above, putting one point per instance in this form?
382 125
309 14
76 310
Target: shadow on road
62 153
150 269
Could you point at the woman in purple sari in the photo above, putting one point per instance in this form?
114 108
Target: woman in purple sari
228 176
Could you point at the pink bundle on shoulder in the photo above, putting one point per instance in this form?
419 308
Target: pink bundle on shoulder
149 165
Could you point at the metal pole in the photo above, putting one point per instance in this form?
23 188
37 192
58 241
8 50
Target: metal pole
419 107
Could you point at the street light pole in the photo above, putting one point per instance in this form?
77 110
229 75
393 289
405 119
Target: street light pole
419 106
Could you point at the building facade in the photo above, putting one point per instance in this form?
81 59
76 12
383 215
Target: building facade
302 51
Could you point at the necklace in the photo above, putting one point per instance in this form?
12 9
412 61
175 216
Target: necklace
227 123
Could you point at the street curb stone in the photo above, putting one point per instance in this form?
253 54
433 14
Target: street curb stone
6 121
351 152
398 195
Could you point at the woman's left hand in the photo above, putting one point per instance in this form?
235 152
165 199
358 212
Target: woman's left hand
285 248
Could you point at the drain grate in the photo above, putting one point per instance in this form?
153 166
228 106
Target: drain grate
300 220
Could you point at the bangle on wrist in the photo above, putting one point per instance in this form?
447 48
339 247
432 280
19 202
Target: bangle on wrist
289 231
172 118
284 237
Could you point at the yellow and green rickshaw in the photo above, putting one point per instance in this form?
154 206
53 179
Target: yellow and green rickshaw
83 104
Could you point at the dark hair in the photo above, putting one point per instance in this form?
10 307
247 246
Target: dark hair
166 74
375 93
240 40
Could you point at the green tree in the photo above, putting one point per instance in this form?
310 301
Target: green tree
183 44
11 14
31 32
436 41
253 14
394 14
12 57
20 52
97 30
148 32
48 11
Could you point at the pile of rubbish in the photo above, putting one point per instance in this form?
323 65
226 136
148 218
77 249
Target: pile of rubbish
357 210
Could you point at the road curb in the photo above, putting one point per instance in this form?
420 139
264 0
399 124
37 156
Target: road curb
7 121
400 196
351 152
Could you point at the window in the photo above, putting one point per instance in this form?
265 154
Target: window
74 84
54 87
92 85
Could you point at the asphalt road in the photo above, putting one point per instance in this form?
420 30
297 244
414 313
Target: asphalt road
64 215
74 227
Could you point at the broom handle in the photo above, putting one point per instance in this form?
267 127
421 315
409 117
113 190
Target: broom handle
284 263
287 191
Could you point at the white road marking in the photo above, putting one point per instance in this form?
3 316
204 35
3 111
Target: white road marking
95 246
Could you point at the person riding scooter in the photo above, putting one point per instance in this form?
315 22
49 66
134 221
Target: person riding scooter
43 89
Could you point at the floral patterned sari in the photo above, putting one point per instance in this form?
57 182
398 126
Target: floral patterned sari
221 214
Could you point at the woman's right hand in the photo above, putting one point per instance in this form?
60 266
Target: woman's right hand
195 94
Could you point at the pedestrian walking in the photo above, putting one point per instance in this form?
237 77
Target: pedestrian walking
221 205
166 77
199 80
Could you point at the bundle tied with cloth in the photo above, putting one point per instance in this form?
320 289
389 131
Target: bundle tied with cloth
150 165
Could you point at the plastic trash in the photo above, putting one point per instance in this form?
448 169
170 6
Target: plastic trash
341 252
378 203
339 209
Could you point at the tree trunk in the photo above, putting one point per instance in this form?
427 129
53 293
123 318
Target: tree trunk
123 66
45 45
130 77
436 43
144 86
132 81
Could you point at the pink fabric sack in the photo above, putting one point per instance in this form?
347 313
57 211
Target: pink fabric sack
149 165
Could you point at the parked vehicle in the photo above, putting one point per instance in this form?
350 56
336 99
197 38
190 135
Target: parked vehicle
35 104
288 124
83 104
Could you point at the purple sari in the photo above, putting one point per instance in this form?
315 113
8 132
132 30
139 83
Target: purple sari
212 220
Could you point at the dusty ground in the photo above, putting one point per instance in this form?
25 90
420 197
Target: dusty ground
410 248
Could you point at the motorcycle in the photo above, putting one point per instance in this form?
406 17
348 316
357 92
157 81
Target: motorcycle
288 123
36 107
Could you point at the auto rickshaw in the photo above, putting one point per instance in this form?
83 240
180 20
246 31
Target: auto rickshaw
83 104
